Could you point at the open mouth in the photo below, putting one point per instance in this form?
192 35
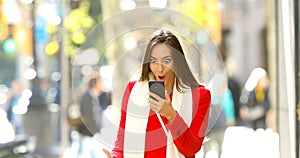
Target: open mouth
161 77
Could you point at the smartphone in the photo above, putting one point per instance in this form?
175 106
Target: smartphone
157 87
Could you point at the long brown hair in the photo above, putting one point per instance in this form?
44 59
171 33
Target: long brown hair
184 76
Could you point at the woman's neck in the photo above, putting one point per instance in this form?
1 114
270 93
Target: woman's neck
169 86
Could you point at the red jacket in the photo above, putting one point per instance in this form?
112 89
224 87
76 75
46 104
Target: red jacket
188 139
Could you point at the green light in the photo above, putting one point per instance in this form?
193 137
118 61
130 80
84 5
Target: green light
9 45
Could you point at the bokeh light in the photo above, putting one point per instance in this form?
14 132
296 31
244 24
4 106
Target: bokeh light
29 74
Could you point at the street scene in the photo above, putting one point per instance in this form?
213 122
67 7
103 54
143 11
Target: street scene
75 78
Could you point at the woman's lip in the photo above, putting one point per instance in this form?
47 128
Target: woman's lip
161 77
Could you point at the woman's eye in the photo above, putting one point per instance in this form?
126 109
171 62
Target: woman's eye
152 60
167 61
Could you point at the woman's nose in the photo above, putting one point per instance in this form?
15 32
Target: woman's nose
160 67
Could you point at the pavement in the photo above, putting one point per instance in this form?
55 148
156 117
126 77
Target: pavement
238 142
44 125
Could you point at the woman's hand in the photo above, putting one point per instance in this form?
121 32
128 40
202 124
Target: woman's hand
107 153
162 106
244 112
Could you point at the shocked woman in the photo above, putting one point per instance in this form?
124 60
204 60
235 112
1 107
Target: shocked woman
171 126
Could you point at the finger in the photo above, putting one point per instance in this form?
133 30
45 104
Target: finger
155 108
153 100
159 102
155 96
107 153
154 105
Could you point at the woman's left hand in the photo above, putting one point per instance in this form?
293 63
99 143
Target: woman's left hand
107 153
162 106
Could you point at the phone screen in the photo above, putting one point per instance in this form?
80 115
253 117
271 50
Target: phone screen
157 87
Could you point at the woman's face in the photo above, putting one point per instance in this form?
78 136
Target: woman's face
162 64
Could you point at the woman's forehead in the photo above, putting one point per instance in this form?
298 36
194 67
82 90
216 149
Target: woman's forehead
160 51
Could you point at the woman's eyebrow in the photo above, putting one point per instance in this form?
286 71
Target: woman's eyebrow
166 57
162 58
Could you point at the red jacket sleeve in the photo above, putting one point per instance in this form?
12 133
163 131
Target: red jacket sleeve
117 151
189 140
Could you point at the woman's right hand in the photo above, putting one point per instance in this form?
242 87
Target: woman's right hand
107 153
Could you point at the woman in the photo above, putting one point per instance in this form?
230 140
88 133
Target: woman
254 100
170 127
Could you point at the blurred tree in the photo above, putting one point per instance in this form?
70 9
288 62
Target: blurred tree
3 23
7 67
23 36
95 10
207 14
80 22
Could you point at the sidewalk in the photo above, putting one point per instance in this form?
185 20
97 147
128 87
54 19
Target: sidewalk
44 125
247 143
239 141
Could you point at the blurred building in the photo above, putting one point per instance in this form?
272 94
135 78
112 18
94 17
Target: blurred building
265 33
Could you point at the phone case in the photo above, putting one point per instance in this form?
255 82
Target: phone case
157 87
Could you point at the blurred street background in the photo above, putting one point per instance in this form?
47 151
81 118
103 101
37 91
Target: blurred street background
48 48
